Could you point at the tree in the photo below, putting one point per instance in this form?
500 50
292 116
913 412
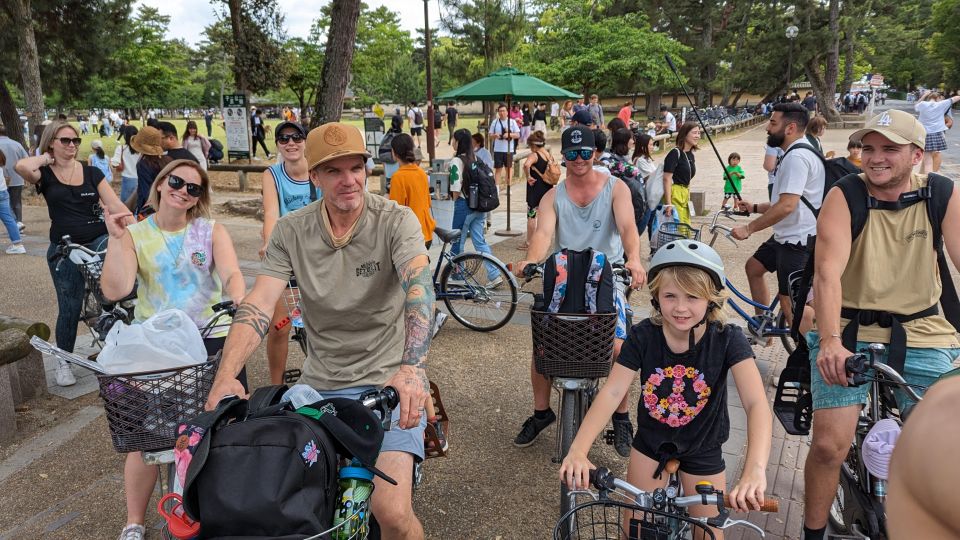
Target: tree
822 67
305 60
257 45
21 16
380 44
338 56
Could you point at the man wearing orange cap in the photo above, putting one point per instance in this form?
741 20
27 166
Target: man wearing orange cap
877 281
367 298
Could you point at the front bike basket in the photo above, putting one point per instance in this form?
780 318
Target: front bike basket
612 520
578 346
673 230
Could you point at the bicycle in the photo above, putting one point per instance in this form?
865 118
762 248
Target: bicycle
771 321
575 351
464 283
98 314
294 318
620 510
858 507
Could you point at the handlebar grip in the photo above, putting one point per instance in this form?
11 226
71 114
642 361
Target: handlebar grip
529 270
601 478
741 213
856 368
770 504
390 397
222 305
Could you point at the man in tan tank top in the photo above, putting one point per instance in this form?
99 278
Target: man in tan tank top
889 267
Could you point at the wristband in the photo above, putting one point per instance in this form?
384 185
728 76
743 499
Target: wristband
754 208
829 336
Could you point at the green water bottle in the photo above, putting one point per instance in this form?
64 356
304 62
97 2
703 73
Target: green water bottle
351 518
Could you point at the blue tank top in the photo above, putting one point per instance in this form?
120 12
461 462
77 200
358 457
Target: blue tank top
293 194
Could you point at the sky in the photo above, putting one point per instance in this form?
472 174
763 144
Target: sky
189 17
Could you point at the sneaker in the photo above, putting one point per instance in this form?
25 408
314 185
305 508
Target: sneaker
438 323
622 436
531 429
65 376
494 283
21 226
133 532
16 249
438 427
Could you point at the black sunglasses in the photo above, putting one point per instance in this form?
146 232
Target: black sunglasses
585 154
175 183
67 141
284 139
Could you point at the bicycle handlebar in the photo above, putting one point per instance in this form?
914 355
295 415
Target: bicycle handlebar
858 365
388 398
67 245
533 271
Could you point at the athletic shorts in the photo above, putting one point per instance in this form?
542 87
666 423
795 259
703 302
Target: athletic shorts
699 463
395 440
922 366
767 254
790 258
501 159
416 131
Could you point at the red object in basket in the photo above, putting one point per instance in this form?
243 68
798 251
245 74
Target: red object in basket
179 523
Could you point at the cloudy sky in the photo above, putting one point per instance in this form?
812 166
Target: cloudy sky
189 17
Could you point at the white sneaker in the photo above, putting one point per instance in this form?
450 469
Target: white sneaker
438 323
133 532
21 226
16 249
65 376
494 283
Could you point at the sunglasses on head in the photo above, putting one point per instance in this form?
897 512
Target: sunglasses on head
584 153
67 141
284 139
175 183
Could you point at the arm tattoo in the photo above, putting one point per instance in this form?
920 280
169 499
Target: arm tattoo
253 317
417 312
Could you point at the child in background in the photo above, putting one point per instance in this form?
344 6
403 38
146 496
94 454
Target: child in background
733 179
99 160
854 149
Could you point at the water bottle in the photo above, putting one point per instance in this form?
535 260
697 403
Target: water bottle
301 395
350 517
296 318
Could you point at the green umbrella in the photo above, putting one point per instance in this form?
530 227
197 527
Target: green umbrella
507 84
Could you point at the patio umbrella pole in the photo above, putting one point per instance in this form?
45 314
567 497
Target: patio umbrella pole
508 231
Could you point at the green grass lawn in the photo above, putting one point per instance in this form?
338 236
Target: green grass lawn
110 143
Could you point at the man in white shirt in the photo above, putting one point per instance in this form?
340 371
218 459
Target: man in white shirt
504 132
796 197
415 120
555 116
669 119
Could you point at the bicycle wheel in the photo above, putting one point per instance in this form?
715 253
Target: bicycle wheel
787 339
475 299
841 509
570 412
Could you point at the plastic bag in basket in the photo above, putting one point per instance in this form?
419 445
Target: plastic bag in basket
169 339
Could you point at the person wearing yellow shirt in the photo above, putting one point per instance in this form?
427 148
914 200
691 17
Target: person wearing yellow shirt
410 186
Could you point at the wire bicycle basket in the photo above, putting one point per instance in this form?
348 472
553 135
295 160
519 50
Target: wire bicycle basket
606 519
672 230
576 346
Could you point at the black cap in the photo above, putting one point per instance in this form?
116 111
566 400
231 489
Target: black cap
355 430
284 125
583 117
576 138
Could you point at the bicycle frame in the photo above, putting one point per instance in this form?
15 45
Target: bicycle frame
465 292
757 322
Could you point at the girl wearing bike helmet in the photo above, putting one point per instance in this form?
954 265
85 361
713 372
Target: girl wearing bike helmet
683 354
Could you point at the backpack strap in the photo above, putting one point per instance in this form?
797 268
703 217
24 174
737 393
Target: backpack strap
597 261
941 190
805 146
560 287
265 396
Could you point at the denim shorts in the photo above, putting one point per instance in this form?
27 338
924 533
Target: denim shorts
922 367
395 440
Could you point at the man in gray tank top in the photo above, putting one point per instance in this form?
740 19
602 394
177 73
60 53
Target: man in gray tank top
590 209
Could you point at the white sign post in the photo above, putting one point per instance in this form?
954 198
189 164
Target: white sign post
237 124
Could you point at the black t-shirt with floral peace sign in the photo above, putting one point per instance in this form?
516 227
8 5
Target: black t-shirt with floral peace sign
684 396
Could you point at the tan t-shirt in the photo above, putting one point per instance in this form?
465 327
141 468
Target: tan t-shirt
893 263
351 297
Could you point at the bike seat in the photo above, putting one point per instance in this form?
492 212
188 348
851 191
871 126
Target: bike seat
672 466
446 235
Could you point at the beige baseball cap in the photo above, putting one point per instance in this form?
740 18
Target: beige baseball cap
331 141
898 126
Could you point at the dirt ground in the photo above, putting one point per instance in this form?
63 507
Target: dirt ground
485 488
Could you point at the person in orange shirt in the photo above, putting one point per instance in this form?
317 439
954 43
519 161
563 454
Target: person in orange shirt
410 186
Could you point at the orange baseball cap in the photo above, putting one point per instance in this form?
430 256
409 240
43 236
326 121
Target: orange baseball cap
331 141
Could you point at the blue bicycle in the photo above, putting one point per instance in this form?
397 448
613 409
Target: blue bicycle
771 321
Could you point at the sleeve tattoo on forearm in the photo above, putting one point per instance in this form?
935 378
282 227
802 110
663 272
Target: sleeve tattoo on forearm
253 317
418 312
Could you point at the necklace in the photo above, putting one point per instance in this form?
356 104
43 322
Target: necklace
73 172
177 253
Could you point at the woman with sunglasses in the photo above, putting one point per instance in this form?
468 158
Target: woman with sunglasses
75 194
286 187
180 259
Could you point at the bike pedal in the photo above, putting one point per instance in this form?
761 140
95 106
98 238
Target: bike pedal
291 376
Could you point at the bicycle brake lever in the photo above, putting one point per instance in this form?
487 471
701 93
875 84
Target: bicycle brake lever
731 522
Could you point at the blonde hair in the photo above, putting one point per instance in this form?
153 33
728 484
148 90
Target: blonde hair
695 282
49 132
202 208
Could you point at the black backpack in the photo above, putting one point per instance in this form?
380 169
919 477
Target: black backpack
259 470
577 282
385 152
417 117
834 169
215 153
480 187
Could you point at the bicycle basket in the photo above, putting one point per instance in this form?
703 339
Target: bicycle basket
573 345
144 409
672 230
612 520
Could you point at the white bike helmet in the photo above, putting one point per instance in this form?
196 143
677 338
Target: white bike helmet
688 253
